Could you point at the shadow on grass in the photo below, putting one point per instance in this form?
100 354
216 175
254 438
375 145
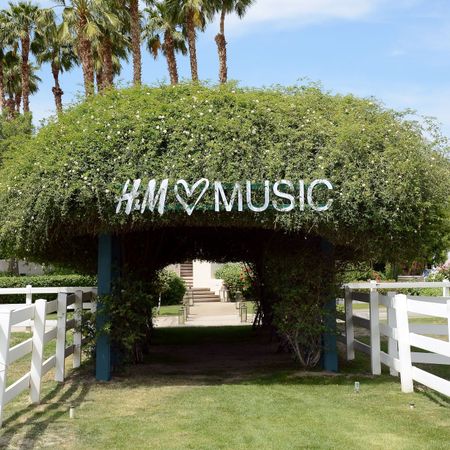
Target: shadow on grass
211 356
53 405
435 397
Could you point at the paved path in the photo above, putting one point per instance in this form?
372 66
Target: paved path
207 314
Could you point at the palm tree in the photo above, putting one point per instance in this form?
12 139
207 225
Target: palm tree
135 23
11 81
162 35
22 19
112 42
82 19
49 47
225 7
108 53
2 82
193 14
12 69
6 39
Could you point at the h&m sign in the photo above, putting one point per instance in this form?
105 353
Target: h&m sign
282 195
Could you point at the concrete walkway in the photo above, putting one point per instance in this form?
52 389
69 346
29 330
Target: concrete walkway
207 314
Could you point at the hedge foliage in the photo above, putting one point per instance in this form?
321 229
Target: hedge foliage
48 281
172 288
390 175
234 277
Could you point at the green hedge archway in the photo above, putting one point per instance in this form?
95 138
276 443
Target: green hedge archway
58 192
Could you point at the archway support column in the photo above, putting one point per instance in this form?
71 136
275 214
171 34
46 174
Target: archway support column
107 270
330 356
329 339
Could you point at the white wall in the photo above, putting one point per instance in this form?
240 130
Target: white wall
25 268
204 275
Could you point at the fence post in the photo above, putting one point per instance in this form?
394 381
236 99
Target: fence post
349 330
446 290
93 301
37 354
29 295
5 333
375 360
448 319
61 337
404 348
392 324
77 314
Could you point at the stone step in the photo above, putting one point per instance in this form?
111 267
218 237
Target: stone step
204 295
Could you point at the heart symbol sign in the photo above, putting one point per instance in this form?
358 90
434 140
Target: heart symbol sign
190 192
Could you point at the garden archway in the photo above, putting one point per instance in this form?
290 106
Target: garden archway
60 193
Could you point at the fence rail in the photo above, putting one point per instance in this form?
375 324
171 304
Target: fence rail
399 357
41 335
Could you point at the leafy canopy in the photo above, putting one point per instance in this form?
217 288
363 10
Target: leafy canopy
390 179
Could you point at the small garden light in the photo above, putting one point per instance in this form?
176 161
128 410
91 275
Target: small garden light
357 386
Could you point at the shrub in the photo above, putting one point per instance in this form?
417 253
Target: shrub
129 325
172 288
235 279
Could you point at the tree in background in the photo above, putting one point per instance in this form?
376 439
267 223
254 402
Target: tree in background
6 40
135 25
225 7
12 82
21 20
162 35
193 14
111 41
85 21
117 53
49 47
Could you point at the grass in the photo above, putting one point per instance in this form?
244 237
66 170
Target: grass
171 310
228 388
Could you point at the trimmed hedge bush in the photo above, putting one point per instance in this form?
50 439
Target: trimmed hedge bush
173 288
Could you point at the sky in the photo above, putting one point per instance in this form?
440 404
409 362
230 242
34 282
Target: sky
397 51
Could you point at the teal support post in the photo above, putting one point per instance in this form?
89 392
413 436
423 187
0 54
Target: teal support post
108 264
329 338
330 355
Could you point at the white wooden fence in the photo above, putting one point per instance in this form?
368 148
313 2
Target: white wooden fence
406 338
400 333
41 335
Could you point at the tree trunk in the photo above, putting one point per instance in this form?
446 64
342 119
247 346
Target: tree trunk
87 63
190 26
25 42
56 89
99 79
10 105
222 49
170 56
18 101
13 267
136 41
2 87
108 71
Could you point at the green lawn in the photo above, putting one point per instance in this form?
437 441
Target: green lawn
228 388
171 310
